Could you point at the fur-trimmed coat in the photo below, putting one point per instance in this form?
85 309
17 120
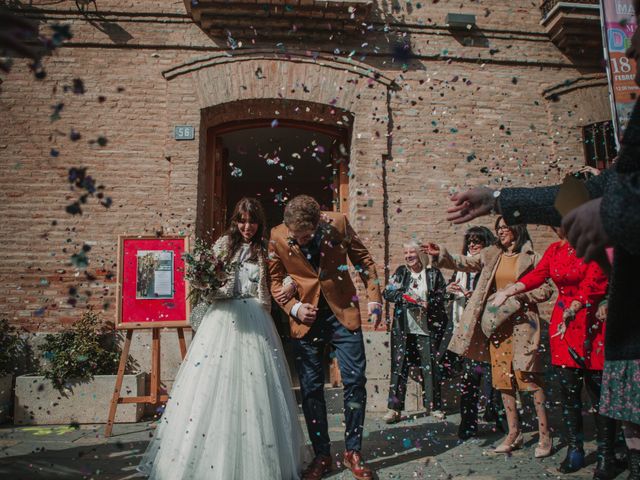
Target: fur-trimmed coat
220 249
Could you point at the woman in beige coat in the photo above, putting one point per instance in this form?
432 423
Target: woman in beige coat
509 341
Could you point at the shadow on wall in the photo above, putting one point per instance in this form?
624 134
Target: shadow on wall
114 31
394 15
88 9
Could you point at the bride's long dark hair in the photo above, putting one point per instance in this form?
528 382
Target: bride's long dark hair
253 208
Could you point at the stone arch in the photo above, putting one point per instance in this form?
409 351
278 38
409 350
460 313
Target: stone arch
261 113
209 91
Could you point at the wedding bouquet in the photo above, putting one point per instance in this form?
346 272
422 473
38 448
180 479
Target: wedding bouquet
207 273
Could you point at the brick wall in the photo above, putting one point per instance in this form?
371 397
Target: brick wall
456 115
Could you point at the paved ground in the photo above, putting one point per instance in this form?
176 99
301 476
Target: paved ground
417 448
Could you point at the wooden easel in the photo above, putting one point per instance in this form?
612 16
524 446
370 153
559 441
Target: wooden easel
154 397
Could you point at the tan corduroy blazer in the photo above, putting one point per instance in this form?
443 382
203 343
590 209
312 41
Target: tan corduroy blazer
339 242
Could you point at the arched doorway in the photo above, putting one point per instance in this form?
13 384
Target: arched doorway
274 160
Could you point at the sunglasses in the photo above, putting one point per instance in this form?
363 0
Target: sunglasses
474 241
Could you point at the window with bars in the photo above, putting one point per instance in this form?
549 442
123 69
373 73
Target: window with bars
599 144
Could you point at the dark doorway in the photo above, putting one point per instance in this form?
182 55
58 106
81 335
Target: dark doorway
276 164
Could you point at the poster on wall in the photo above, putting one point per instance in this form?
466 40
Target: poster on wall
152 291
619 24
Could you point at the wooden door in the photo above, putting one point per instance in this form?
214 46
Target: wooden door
340 180
219 200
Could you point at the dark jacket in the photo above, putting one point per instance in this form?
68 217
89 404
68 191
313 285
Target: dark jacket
619 188
436 319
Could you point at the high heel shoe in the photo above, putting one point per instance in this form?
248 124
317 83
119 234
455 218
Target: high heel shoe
542 451
510 447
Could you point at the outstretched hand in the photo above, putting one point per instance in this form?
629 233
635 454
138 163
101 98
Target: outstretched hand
429 248
471 204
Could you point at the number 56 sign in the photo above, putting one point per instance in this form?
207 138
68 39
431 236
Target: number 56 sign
184 132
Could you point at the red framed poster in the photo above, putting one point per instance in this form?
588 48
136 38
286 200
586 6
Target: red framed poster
152 291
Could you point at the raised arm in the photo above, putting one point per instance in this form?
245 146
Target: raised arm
536 205
441 258
517 205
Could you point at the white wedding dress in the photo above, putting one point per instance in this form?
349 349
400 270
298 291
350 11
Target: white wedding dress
231 414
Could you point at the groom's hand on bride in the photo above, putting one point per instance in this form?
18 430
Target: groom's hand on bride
307 313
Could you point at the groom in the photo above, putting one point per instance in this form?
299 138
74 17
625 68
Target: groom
312 247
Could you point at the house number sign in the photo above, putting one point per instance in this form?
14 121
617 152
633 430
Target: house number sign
184 132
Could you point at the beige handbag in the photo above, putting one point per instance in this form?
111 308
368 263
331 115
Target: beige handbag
494 317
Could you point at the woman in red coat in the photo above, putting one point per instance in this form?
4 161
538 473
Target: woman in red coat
577 345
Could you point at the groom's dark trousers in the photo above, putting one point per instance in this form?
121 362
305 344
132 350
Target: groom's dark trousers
309 354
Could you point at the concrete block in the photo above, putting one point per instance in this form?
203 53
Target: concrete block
37 402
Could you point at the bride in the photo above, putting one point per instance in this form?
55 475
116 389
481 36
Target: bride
231 413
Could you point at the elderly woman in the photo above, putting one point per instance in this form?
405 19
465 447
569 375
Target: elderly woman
513 346
419 321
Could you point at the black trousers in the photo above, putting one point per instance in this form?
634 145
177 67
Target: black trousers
421 351
474 383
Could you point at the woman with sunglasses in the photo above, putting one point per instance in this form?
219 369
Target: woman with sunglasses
514 347
577 346
476 376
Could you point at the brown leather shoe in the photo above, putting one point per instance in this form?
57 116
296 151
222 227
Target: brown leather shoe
353 461
317 468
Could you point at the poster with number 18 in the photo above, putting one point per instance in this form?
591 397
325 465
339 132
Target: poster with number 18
619 24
